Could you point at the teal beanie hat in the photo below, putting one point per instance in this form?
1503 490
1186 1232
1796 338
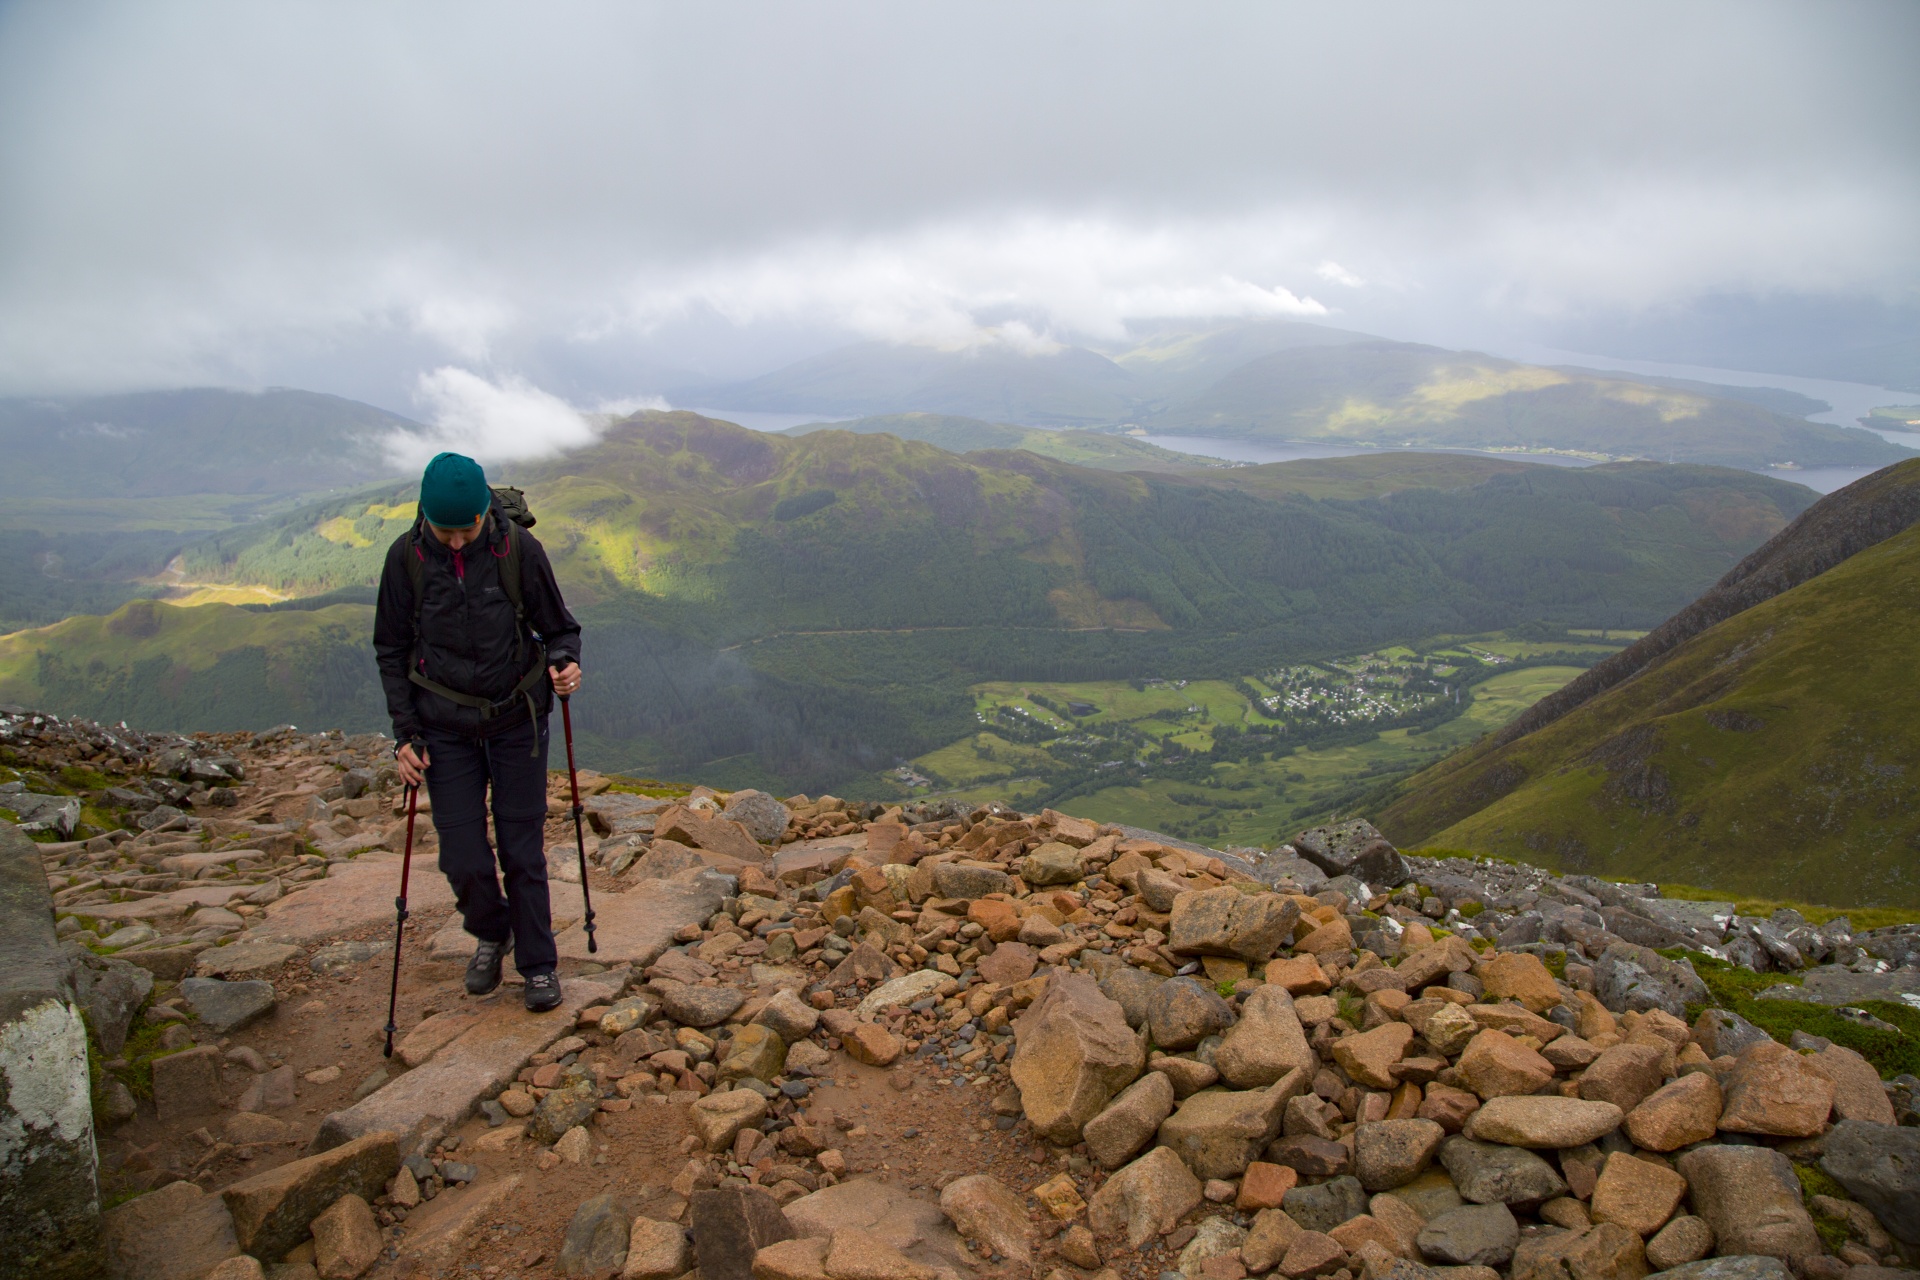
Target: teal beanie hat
453 491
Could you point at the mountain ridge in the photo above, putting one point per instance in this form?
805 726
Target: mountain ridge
1104 450
200 440
1298 382
1840 526
1759 740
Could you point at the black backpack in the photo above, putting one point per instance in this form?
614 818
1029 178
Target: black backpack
512 503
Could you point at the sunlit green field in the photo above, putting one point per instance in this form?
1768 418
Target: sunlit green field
1119 700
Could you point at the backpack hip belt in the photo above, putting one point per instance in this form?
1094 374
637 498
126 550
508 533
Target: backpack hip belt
490 708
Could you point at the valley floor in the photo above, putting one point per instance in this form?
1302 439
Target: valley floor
1244 762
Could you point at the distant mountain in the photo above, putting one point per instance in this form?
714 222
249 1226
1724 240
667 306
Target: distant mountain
1171 360
165 444
802 611
1762 740
1778 399
1291 381
1104 450
1403 394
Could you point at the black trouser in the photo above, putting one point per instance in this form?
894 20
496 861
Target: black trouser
457 780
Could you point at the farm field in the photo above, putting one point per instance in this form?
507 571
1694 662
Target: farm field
1245 761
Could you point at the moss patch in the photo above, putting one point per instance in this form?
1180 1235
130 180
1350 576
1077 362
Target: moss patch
650 787
1734 989
1861 917
1815 1181
142 1047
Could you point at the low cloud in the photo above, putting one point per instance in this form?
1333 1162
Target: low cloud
503 420
1028 282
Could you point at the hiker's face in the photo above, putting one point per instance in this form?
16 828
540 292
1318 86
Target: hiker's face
458 538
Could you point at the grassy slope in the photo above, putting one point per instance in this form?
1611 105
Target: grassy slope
209 667
1368 475
1774 753
966 435
1389 393
685 511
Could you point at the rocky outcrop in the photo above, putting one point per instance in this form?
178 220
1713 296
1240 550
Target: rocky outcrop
1280 1070
1075 1053
49 1206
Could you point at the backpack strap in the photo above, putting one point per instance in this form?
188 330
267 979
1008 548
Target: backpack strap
416 563
510 572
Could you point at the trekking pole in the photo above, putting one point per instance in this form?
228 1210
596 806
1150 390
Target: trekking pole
400 920
579 835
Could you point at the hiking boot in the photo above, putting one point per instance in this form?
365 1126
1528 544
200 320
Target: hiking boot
543 992
483 971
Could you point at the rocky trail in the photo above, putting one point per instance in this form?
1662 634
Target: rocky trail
829 1040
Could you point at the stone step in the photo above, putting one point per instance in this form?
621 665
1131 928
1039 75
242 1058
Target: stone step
430 1099
354 894
636 926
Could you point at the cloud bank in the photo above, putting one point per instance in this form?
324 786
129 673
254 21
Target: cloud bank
605 198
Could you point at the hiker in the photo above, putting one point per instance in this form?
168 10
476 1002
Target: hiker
473 640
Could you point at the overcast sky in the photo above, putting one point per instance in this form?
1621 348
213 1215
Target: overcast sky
599 200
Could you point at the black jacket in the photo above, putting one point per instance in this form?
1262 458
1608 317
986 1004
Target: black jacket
467 630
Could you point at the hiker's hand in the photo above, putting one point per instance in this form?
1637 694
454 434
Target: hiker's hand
413 768
566 680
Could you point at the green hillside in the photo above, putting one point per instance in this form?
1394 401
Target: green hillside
212 667
811 610
1400 394
1773 754
47 577
750 536
1101 449
102 492
1778 399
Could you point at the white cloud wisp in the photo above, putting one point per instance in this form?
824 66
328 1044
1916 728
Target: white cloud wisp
507 420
